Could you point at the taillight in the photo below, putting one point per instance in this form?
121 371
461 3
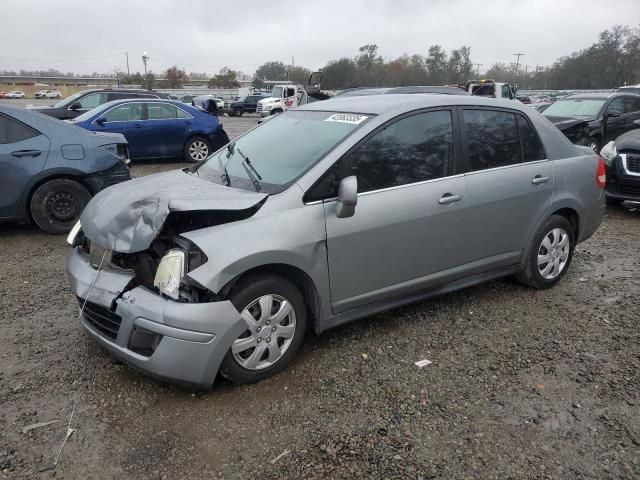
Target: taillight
601 174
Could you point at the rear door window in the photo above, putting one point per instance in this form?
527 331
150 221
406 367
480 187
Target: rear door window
18 132
492 139
409 150
161 111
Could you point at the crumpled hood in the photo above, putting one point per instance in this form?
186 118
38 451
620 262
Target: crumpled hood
564 123
629 140
127 217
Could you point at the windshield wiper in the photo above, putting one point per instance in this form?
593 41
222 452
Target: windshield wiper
250 169
231 148
225 175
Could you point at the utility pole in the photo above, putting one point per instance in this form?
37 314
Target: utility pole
128 72
293 62
526 68
545 78
515 79
478 65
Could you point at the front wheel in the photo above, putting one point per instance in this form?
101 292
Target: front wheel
197 149
275 317
550 254
594 144
56 205
237 112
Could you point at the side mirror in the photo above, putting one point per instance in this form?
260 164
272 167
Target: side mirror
75 106
101 120
613 114
347 197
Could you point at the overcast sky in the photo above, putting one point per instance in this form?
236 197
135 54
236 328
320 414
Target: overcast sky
204 35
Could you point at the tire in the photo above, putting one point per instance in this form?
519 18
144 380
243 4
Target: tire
197 149
56 205
614 202
237 112
595 144
553 232
248 359
276 111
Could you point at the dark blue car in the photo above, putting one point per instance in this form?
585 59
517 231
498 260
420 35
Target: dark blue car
49 169
158 128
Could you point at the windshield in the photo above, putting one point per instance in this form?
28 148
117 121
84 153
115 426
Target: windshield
87 115
280 150
276 92
578 107
68 101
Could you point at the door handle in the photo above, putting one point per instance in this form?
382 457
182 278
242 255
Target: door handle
137 125
539 180
26 153
448 198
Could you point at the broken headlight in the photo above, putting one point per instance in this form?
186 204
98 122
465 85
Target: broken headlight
71 238
170 272
608 153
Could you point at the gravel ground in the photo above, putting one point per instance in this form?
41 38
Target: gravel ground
523 384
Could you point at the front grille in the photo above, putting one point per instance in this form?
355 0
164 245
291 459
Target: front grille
633 163
101 318
259 108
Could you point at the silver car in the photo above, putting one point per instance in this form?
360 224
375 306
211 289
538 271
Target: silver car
328 213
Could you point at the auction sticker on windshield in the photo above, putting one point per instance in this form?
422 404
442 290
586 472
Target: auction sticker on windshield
347 118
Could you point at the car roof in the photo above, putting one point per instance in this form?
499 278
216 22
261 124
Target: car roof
113 103
361 91
399 103
599 96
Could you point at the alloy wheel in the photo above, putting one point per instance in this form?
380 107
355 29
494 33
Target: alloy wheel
553 253
198 150
271 325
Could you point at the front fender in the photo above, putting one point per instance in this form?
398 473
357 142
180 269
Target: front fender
292 237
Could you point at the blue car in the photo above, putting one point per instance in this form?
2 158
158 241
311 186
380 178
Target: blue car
49 169
158 128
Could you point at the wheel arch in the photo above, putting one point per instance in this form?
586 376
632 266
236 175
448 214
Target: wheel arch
68 175
573 217
567 209
296 276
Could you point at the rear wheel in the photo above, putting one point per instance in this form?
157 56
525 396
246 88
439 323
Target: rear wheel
550 254
237 112
197 149
274 312
57 204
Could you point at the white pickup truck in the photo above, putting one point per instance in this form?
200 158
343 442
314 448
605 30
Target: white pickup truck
491 88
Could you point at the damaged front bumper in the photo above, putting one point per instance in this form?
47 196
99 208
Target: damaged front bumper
172 341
